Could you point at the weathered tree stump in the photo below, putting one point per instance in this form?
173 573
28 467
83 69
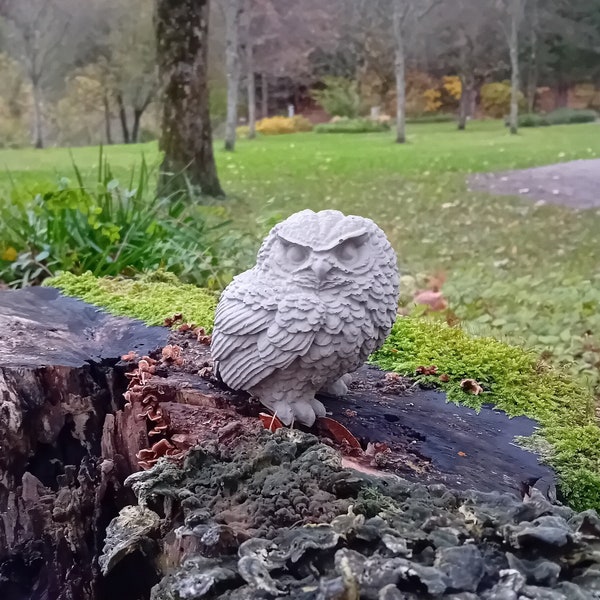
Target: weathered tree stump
76 420
58 384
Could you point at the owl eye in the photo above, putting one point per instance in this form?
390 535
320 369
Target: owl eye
296 254
347 252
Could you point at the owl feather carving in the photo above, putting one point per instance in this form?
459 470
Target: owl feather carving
321 298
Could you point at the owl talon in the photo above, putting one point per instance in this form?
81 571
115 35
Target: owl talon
338 388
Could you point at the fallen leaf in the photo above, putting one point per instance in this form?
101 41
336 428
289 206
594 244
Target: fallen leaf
434 300
270 422
461 454
339 432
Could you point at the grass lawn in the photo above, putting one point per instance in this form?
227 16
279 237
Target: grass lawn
525 273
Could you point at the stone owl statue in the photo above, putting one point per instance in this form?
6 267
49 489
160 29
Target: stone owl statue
322 297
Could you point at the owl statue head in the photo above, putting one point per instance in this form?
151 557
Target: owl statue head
326 250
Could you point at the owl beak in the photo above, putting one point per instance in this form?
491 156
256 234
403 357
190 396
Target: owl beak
320 269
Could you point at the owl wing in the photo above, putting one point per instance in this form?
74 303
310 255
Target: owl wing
255 333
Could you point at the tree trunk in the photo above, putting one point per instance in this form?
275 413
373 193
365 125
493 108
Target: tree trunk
61 391
107 117
123 119
514 65
264 88
251 91
137 117
38 116
533 58
182 52
400 71
233 14
464 108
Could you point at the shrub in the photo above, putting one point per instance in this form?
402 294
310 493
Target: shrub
561 116
340 97
108 229
568 116
352 126
283 125
495 99
301 123
436 118
242 131
533 120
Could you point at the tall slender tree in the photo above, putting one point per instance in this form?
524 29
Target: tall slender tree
515 12
404 14
233 18
182 52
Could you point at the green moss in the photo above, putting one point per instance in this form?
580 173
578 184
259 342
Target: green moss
152 298
515 381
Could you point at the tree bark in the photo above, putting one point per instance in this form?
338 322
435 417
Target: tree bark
400 70
107 117
233 14
264 88
533 57
137 117
123 119
60 483
182 52
251 91
38 116
465 107
515 11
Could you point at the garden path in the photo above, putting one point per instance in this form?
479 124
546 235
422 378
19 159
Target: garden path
575 184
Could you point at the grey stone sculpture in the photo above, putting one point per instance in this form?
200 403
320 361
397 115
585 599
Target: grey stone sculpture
321 298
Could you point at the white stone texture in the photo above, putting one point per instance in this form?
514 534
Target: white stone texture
321 298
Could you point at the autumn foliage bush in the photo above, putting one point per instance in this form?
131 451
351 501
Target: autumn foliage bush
495 99
283 125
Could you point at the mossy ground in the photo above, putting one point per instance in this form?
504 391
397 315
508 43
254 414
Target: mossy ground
152 298
513 379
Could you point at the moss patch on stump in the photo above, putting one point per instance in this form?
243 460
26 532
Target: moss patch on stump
512 378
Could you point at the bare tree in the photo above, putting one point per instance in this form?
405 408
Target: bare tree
284 34
40 27
182 52
233 17
466 43
400 17
131 62
533 67
516 11
405 13
251 87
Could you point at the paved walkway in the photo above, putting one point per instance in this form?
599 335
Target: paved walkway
575 184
